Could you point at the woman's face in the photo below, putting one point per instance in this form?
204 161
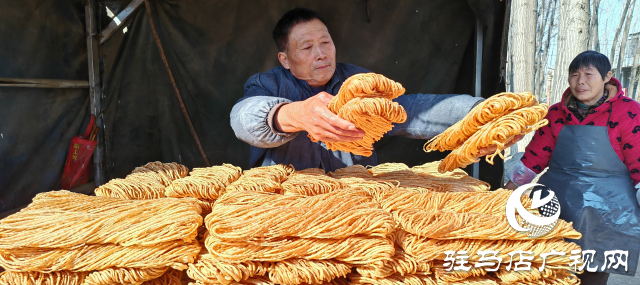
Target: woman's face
587 84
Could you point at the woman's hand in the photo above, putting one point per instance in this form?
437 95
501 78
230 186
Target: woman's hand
492 149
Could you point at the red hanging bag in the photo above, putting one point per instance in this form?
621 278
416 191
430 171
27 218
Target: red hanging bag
77 168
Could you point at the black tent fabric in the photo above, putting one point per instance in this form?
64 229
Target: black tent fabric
41 40
212 48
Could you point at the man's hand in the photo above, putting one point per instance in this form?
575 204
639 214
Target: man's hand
313 116
490 150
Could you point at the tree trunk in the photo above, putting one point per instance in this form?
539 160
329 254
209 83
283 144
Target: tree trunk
594 42
573 34
617 34
524 44
634 70
623 45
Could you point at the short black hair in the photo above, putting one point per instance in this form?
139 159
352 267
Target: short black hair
288 21
591 59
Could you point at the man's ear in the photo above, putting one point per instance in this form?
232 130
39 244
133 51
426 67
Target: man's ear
282 57
608 77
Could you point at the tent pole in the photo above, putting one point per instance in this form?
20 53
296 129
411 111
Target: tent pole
94 86
478 78
173 83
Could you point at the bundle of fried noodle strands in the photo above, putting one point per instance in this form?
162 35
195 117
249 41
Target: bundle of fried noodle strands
496 133
354 250
492 203
262 179
401 263
297 271
209 270
76 219
433 249
494 107
365 100
204 183
171 277
40 278
451 225
354 171
163 172
311 184
456 181
445 275
116 276
343 215
99 257
395 279
136 186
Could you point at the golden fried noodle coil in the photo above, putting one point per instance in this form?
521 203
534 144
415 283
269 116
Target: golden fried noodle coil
164 172
40 278
401 263
494 107
135 186
451 225
497 133
301 271
311 184
117 276
365 100
209 270
204 183
62 219
343 214
100 257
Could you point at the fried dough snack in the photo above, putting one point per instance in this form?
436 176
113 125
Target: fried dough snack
301 271
395 279
401 263
60 219
100 257
365 100
117 276
163 172
442 274
136 186
353 171
494 107
357 250
433 249
209 270
204 183
457 180
311 184
40 278
451 225
497 133
343 214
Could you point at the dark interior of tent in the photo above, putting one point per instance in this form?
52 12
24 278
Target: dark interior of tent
212 47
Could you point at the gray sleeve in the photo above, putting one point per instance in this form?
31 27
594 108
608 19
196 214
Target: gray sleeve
429 115
249 121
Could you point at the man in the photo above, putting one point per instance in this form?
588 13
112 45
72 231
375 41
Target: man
281 106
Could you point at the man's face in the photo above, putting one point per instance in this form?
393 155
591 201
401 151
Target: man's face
310 55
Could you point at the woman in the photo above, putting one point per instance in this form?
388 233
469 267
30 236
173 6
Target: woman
592 148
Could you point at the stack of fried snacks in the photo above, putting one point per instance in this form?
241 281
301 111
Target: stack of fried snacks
421 179
365 100
492 123
293 239
69 238
163 172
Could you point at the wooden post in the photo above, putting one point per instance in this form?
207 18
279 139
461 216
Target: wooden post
95 89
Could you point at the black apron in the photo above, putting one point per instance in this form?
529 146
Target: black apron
596 193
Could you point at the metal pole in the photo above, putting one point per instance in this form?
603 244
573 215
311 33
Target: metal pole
94 86
478 78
